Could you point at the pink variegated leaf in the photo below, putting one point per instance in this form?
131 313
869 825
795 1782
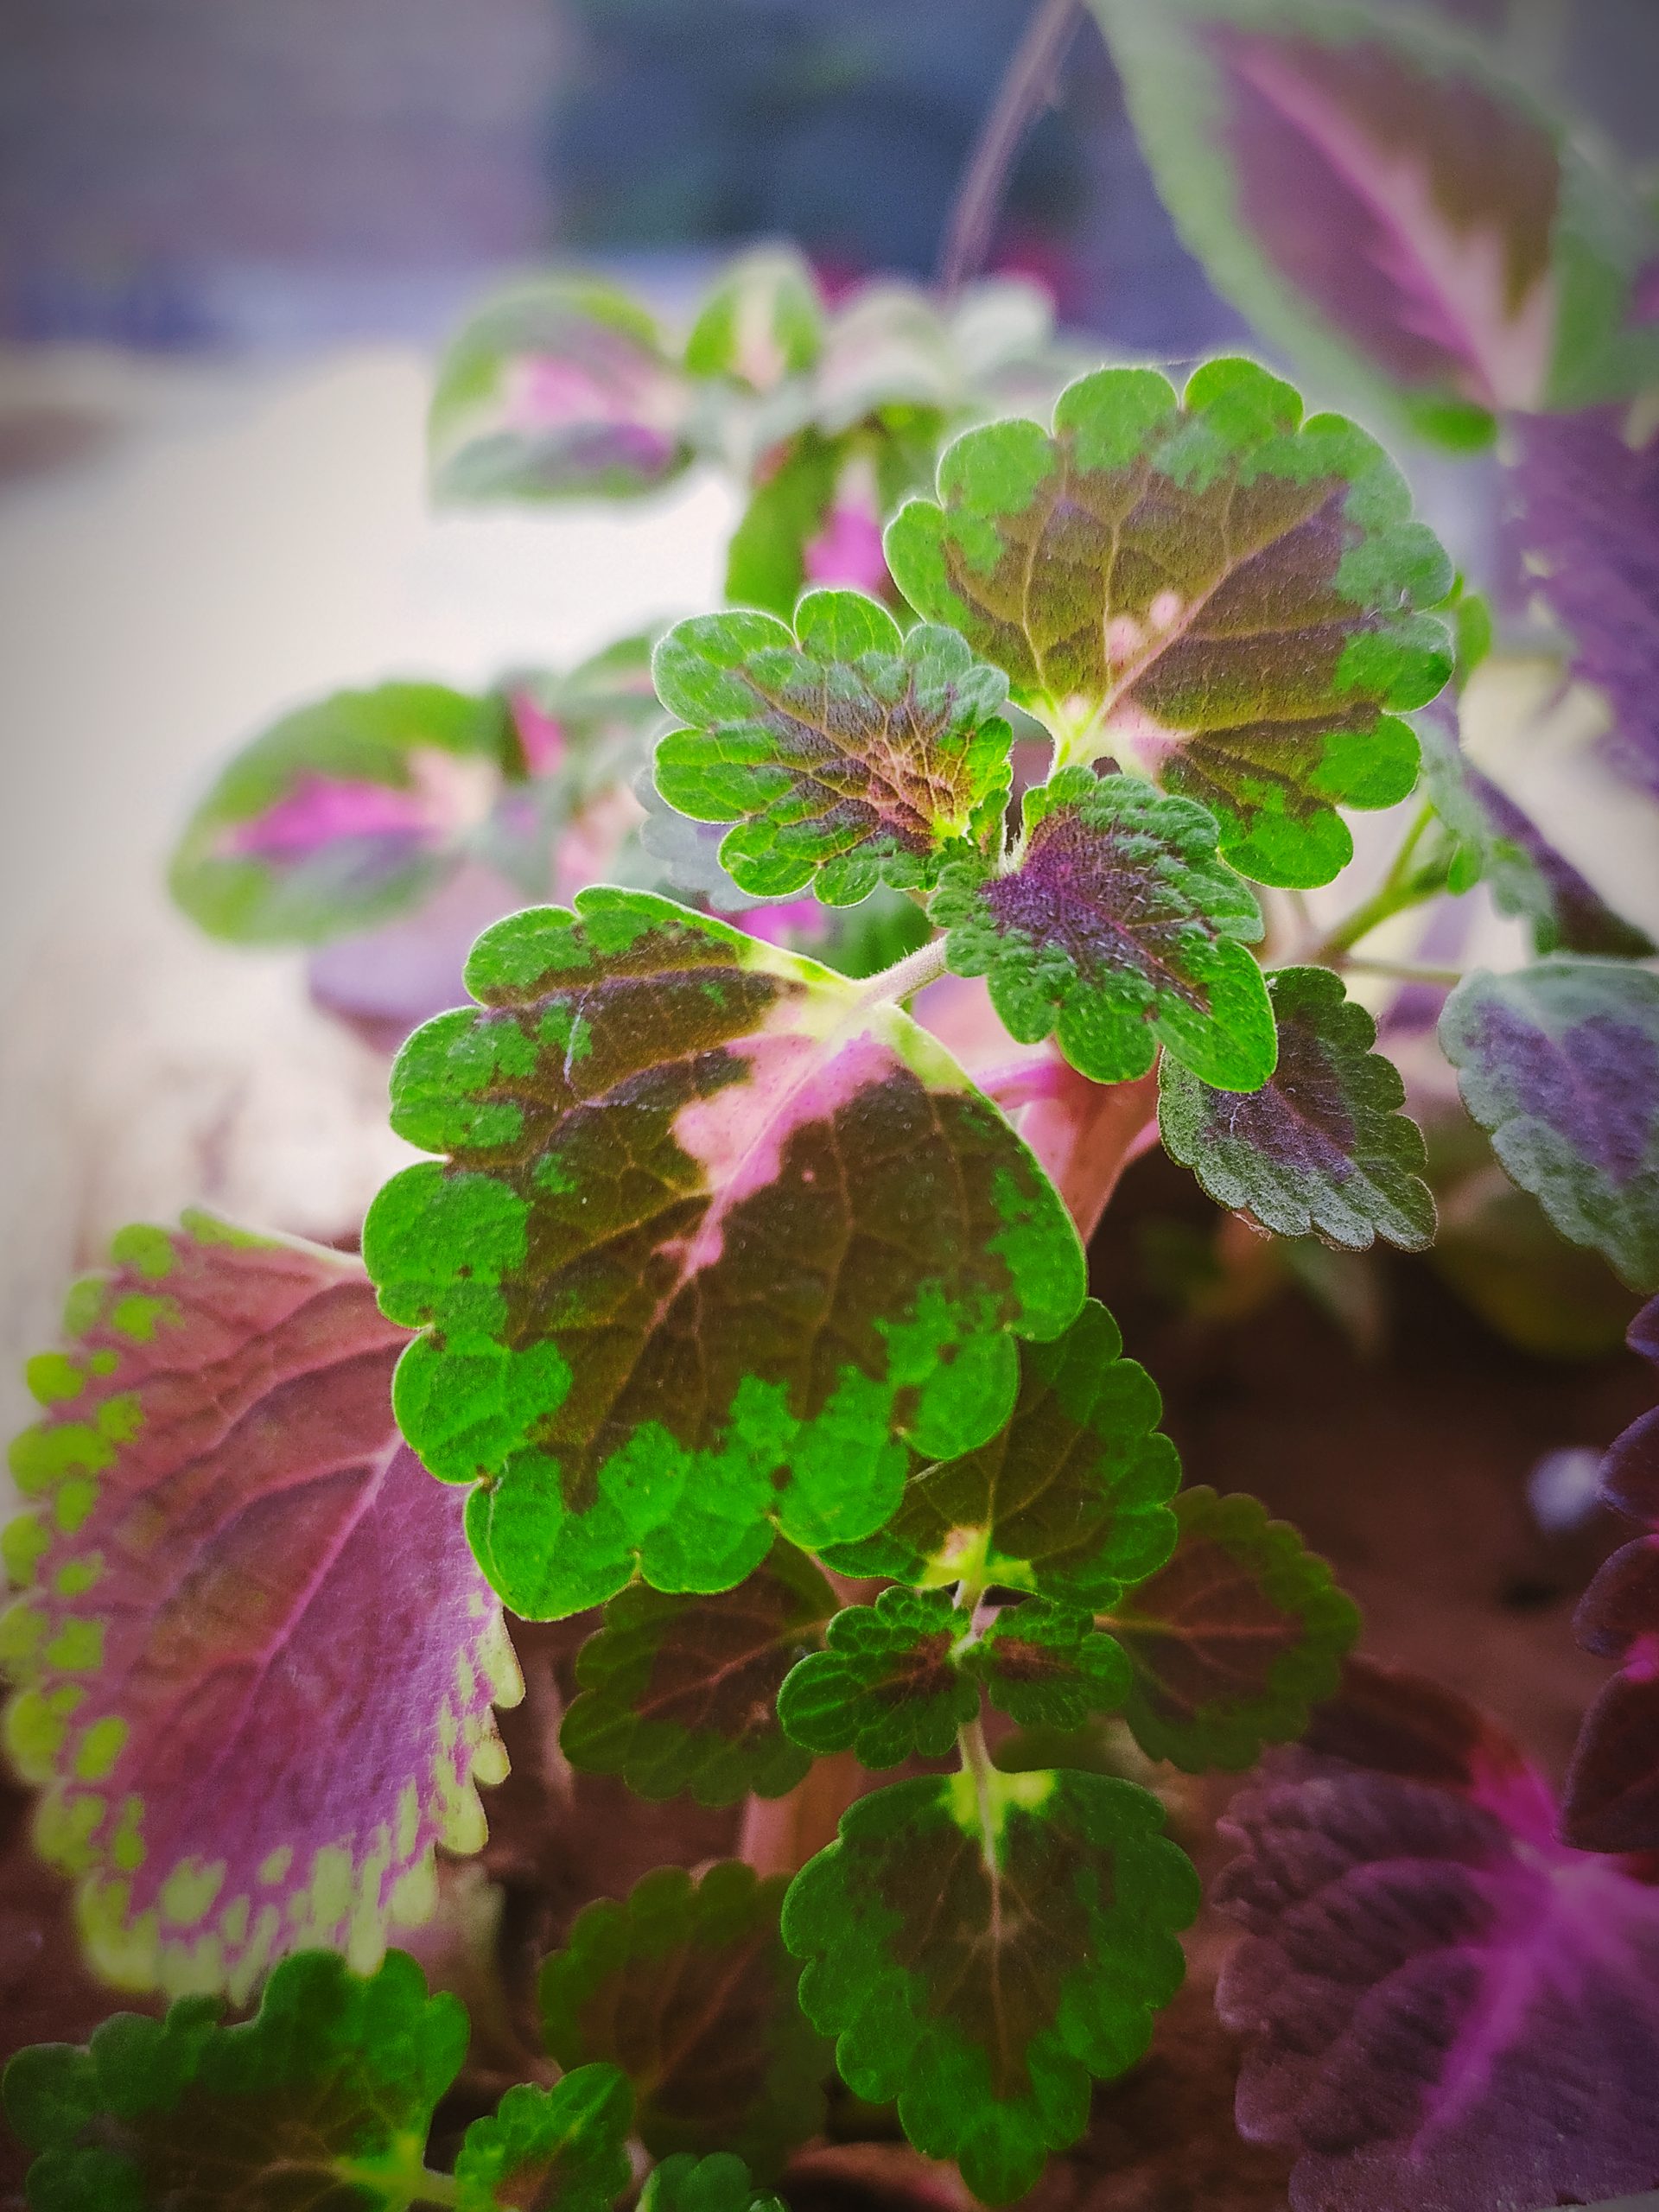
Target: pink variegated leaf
254 1662
1447 2008
1387 205
1612 1790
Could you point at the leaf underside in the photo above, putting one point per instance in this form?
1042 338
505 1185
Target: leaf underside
226 1538
718 1242
1219 595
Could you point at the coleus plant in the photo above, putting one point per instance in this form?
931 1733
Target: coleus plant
741 1281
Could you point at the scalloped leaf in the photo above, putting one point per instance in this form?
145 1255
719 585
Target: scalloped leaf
1212 591
982 1952
680 1691
1559 1063
1047 1666
557 387
341 814
845 752
1612 1787
719 2182
1120 931
1446 2007
1071 1500
559 2150
324 2097
720 1240
1386 205
226 1540
1231 1643
687 1987
761 323
888 1685
1322 1146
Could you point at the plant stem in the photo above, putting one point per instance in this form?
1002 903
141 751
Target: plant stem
1028 86
1402 971
1399 889
894 984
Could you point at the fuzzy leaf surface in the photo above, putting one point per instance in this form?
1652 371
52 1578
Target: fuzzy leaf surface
888 1686
679 1691
1120 931
1386 205
844 751
1446 2006
687 1988
226 1540
341 814
1048 1666
1071 1500
1559 1063
719 2182
718 1241
324 2098
1612 1787
558 388
1217 594
981 1960
559 2150
1323 1145
1234 1640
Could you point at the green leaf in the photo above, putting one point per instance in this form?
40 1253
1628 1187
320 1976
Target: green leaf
845 753
1559 1063
888 1685
1047 1665
981 1952
341 814
1070 1500
1234 1641
558 2150
1210 590
689 1990
557 387
1388 207
762 323
1323 1145
1120 929
323 2098
719 2182
680 1692
718 1243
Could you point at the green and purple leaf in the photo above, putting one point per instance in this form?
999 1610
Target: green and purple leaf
983 1947
1231 1643
1208 589
1071 1500
844 751
1322 1146
1047 1666
1446 2006
719 1241
1386 205
558 388
719 2182
680 1691
687 1988
342 813
1613 1789
761 324
1119 931
888 1686
1559 1063
254 1661
559 2150
324 2098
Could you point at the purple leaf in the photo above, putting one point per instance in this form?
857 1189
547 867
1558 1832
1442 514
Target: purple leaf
1448 2009
1584 491
1612 1790
254 1660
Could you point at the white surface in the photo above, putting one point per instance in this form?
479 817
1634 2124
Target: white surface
248 540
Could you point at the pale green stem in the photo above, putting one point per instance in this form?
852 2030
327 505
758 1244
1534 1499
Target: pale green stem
1401 971
1398 890
895 984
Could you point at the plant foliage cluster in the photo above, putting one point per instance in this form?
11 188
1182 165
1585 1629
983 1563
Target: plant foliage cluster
728 1300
